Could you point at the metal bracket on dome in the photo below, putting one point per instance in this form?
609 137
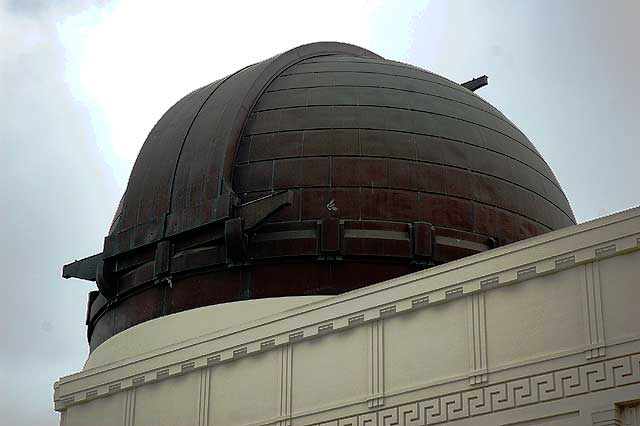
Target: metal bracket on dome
257 211
249 216
476 83
90 269
85 269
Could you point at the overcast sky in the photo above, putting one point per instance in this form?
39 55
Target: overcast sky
82 84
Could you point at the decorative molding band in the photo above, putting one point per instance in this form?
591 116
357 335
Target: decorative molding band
504 396
477 327
204 396
353 309
286 383
592 308
129 407
376 364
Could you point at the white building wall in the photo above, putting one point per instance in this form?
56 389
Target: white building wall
544 331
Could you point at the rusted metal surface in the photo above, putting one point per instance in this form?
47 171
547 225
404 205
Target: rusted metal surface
318 171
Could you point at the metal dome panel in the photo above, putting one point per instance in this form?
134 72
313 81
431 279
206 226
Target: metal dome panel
318 171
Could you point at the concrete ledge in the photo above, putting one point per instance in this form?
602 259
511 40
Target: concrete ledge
172 329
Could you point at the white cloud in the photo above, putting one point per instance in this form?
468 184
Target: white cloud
131 61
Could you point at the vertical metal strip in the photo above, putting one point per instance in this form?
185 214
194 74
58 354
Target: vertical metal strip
381 360
371 359
471 336
592 310
476 330
204 392
376 364
597 300
477 334
586 312
129 407
482 326
286 382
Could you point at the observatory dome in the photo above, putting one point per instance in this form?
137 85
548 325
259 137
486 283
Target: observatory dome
318 171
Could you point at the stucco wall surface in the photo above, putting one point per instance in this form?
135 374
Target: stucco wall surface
543 331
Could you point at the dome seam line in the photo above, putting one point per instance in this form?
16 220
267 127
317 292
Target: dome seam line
413 110
511 125
418 134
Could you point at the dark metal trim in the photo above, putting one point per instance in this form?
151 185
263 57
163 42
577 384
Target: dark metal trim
85 269
476 83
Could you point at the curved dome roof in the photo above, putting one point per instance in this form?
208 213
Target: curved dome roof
320 170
